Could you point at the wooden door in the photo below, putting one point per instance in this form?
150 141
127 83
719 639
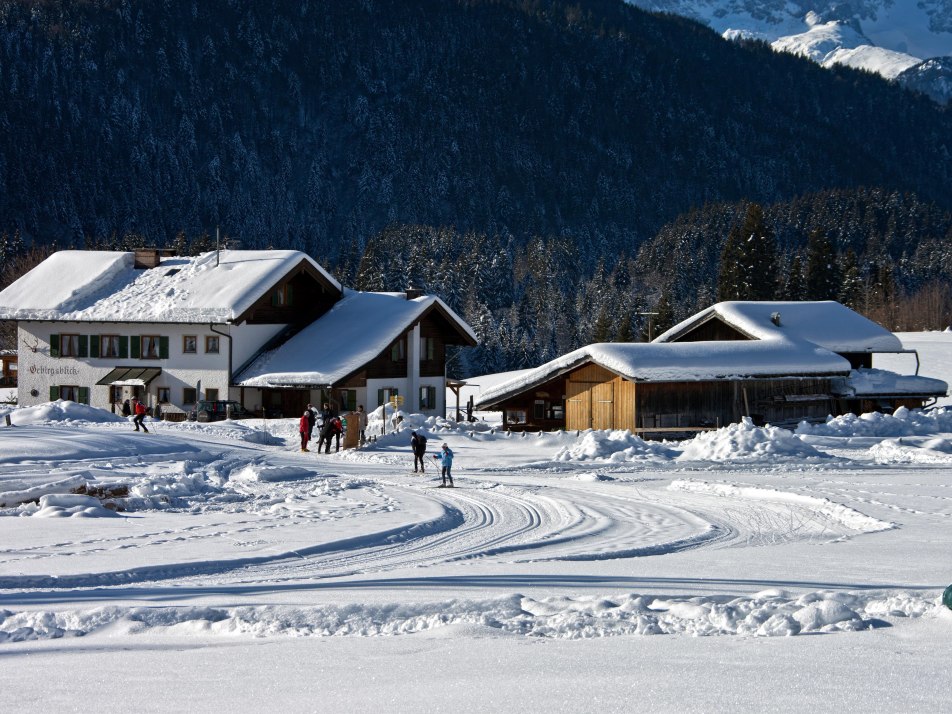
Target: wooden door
578 405
603 405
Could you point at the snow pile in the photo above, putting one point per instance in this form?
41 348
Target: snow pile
747 442
770 613
62 411
894 451
902 422
254 431
60 505
617 446
271 474
822 507
33 493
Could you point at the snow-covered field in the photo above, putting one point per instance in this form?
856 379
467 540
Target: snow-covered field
214 567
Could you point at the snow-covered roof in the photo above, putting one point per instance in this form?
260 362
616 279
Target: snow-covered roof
685 361
103 286
882 383
825 323
351 334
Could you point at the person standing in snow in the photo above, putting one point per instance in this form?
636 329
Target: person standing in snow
311 414
140 412
418 445
304 427
445 458
361 425
126 409
326 428
337 428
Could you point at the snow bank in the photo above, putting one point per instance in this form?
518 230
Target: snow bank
902 422
62 411
893 451
33 493
747 442
615 446
771 613
823 507
62 505
254 432
271 474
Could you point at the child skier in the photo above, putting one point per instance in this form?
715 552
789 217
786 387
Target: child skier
445 457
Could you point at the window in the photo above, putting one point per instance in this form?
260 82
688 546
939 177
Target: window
71 393
150 347
211 395
347 398
115 394
281 296
398 351
211 344
427 349
188 395
189 344
109 345
69 346
538 409
385 395
165 395
427 398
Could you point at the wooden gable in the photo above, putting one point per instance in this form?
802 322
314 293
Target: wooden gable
301 296
710 330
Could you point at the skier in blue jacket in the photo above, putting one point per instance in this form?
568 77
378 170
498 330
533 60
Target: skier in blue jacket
445 457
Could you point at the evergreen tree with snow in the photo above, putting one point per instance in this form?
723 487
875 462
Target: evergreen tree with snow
748 269
823 277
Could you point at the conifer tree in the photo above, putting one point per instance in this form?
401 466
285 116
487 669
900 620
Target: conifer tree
602 331
851 288
748 268
823 276
793 288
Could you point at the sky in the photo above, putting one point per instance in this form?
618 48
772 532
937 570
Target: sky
214 566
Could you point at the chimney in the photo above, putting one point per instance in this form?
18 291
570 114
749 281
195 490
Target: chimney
151 257
146 258
775 318
414 293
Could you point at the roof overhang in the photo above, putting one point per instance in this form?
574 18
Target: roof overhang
130 376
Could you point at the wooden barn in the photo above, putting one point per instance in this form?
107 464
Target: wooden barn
709 372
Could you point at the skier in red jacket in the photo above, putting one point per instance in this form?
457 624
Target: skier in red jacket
138 408
305 428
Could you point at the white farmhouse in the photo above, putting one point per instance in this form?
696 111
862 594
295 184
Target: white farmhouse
270 329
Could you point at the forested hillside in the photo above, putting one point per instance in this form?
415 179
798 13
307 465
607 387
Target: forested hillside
314 125
529 135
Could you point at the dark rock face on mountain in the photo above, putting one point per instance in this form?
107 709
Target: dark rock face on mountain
932 78
316 125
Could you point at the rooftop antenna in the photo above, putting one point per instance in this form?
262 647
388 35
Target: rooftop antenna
217 247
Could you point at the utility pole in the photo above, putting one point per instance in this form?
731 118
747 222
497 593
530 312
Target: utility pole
649 314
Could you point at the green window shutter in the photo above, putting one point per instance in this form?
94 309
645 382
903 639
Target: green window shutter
123 346
54 348
136 347
94 346
84 395
431 397
83 346
163 347
54 393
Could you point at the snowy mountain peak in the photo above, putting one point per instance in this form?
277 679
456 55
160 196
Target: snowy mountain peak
887 37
